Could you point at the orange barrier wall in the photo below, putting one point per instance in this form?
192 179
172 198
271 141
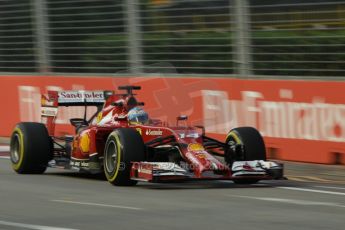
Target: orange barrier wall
300 120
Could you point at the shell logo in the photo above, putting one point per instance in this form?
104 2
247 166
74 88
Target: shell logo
84 143
195 147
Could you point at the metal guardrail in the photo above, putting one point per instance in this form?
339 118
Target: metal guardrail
243 37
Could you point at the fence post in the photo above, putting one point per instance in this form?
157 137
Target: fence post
242 37
40 15
134 37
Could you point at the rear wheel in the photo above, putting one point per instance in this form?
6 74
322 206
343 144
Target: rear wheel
30 148
245 144
123 146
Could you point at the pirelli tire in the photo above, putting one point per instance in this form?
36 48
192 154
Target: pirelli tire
245 144
31 148
123 146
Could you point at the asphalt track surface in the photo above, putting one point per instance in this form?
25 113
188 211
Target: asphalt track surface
66 200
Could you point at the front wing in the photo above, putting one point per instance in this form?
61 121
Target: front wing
167 171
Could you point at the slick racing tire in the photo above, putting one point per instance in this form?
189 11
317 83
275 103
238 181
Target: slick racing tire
31 148
245 144
122 147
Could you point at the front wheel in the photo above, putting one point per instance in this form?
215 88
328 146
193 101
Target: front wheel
30 148
122 147
245 144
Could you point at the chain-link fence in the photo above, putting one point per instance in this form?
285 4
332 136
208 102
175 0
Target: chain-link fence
17 40
213 37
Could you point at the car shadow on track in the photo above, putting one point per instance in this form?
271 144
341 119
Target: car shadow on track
182 185
201 185
87 176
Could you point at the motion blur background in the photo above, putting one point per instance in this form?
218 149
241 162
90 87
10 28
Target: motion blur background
212 37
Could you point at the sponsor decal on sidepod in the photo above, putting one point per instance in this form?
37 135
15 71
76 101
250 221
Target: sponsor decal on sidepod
154 132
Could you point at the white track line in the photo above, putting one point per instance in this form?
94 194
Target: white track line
30 226
4 148
313 190
4 157
293 201
96 204
331 187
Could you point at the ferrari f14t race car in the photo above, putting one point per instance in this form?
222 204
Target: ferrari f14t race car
121 141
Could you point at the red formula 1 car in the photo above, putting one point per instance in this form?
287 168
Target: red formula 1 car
124 143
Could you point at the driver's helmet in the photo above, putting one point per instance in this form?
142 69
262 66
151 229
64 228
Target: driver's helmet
137 116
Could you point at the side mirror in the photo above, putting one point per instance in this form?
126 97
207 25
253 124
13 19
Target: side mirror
122 118
117 103
181 118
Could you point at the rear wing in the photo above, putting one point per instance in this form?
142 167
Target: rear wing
54 99
75 98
